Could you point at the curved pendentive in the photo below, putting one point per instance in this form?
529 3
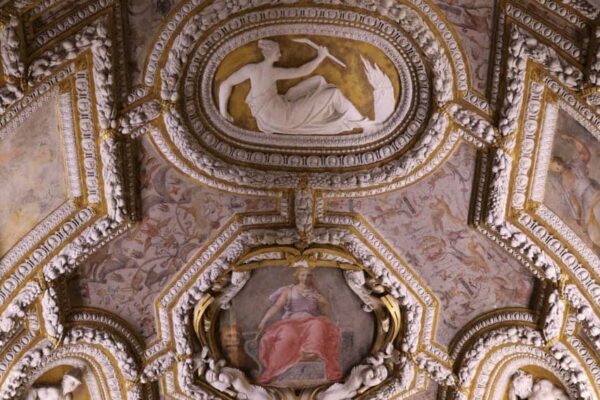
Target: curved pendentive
515 361
97 357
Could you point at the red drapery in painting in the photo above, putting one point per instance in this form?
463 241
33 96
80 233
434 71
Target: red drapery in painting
288 341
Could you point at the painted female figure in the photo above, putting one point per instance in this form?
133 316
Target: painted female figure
312 107
580 190
302 333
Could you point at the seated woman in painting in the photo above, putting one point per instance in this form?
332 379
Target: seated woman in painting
579 189
302 333
312 107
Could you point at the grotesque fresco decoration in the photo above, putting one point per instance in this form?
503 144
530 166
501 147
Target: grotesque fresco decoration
573 186
474 20
179 217
299 199
429 226
313 106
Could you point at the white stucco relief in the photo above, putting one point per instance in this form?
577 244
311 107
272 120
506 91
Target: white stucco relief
524 386
62 391
312 107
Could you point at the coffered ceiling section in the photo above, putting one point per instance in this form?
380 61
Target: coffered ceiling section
300 199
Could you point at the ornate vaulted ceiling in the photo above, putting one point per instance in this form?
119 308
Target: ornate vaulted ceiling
300 199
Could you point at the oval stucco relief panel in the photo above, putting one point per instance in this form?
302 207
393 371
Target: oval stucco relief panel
365 78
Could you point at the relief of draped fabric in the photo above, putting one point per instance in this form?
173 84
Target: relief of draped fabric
312 107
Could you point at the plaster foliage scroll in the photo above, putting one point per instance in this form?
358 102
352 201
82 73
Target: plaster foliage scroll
594 68
357 281
67 259
501 168
117 347
16 310
484 344
153 370
436 370
481 127
522 48
12 64
576 375
506 349
11 48
140 116
51 314
95 37
584 7
9 94
585 313
110 152
554 319
18 377
416 26
237 281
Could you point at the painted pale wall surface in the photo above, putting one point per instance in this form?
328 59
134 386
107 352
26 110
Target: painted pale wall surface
32 172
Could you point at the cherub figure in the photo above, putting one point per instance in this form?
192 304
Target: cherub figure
63 391
523 387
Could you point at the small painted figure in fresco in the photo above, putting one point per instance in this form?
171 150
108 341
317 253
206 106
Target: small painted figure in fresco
232 342
581 192
440 210
302 333
63 391
312 107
